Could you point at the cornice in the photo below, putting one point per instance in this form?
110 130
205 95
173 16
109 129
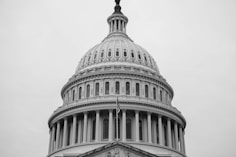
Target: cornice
103 100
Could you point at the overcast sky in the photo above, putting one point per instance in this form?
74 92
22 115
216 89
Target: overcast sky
193 43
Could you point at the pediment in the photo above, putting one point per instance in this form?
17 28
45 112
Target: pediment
116 149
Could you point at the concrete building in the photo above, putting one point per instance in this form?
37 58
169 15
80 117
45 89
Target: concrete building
117 76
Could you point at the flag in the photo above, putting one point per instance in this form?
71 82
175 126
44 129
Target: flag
117 106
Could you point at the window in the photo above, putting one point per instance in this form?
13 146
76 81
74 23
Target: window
128 128
165 134
160 95
125 53
95 55
88 91
80 92
109 53
154 93
105 128
89 58
139 57
102 54
117 87
132 55
107 88
137 89
93 129
127 86
117 52
146 91
73 95
140 130
97 89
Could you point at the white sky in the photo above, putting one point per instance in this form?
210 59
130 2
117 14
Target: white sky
193 43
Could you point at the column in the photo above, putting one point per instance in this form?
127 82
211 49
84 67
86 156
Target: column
110 125
50 141
65 133
160 133
53 136
74 129
85 127
184 143
149 127
137 125
97 126
58 134
169 133
181 139
155 131
79 131
115 27
176 136
124 125
119 25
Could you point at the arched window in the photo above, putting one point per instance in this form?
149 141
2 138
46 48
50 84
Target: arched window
102 54
107 88
137 89
117 53
93 129
128 128
132 55
146 91
73 95
105 128
154 93
125 53
97 89
160 95
117 87
140 130
127 86
80 92
109 53
88 91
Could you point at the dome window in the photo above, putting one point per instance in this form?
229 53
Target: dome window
132 54
89 59
109 53
137 89
97 89
117 87
128 128
127 86
107 88
154 93
146 91
125 53
117 53
88 91
139 57
80 92
102 54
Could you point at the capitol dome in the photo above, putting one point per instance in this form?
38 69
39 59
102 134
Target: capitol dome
117 104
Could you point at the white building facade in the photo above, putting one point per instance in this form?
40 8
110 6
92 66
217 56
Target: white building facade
85 125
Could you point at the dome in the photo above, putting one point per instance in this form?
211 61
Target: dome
117 49
117 102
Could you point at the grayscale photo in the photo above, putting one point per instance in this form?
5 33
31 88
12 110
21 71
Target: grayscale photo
117 78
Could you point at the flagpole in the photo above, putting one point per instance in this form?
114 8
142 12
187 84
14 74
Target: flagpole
117 119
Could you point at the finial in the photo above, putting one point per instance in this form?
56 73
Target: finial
117 7
117 2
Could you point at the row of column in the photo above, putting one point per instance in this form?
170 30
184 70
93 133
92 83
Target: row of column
117 25
61 135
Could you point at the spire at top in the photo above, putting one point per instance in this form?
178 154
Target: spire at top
117 21
117 7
